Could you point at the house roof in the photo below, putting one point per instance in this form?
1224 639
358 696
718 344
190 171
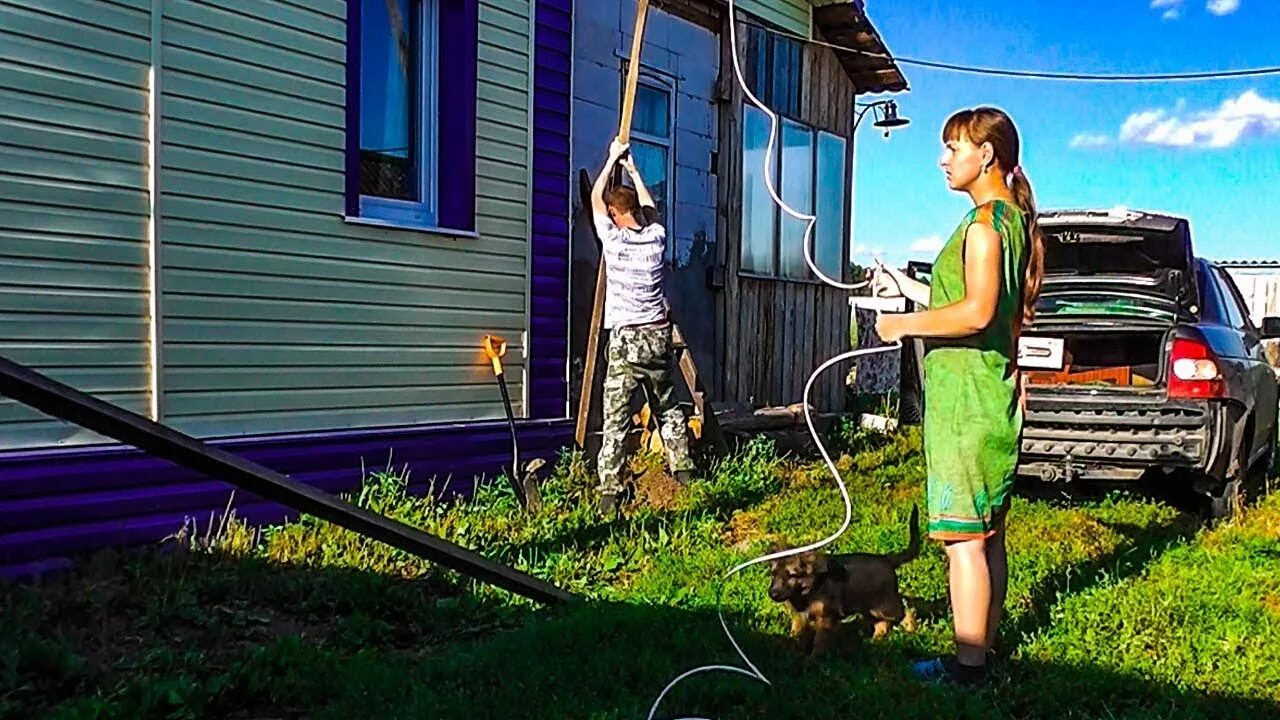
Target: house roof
845 23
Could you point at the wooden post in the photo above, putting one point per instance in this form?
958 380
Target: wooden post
597 310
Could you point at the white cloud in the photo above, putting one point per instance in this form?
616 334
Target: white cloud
931 244
1172 8
1248 115
868 251
1090 140
1223 7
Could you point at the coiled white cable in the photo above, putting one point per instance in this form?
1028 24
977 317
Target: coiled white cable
751 670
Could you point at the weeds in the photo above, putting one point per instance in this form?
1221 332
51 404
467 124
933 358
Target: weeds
1119 608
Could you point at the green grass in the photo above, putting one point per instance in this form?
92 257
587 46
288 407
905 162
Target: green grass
1122 608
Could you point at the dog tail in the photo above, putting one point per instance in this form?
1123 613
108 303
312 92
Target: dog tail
913 545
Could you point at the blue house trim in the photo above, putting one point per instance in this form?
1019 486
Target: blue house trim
552 97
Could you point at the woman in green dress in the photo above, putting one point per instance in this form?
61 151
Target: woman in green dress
983 288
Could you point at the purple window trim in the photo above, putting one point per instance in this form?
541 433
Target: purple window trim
458 58
459 41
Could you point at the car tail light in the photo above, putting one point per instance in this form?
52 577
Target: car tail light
1193 371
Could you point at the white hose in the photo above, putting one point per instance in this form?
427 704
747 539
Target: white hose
751 670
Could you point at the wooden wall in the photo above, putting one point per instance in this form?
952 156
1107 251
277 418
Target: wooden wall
772 333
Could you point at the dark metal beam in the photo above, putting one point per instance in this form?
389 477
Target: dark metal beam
62 401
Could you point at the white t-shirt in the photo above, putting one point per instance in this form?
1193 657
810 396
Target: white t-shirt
633 273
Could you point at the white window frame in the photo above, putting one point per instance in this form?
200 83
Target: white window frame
424 212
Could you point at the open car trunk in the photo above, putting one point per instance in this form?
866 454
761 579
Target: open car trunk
1126 254
1083 357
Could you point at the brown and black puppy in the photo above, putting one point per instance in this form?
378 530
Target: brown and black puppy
822 590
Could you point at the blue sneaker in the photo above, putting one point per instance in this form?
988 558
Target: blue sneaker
948 670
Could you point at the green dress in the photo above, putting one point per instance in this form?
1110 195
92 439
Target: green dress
973 419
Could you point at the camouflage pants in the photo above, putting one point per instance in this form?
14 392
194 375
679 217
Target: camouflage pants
639 355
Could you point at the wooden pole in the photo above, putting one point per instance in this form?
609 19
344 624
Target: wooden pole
597 310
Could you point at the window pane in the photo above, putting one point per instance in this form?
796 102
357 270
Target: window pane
830 193
652 114
797 191
651 161
758 209
787 73
388 80
756 64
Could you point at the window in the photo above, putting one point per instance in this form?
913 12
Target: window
411 157
651 133
1232 302
809 173
774 70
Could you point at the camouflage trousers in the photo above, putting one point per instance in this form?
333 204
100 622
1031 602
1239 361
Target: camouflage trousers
640 356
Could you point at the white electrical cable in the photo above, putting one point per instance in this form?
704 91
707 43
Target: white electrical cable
751 670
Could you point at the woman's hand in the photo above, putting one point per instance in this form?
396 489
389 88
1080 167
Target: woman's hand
884 282
891 327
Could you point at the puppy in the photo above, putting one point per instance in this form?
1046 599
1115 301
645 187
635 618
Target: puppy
822 590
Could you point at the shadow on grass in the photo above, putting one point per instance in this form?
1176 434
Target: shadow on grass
613 660
195 635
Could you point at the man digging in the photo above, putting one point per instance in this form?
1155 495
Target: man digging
633 245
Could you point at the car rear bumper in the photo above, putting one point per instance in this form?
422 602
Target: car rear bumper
1068 439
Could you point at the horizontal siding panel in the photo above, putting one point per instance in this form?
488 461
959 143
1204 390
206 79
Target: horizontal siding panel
126 35
373 416
49 166
513 19
18 109
504 77
496 241
392 258
30 191
84 328
92 87
112 16
218 93
279 61
263 79
73 206
263 173
68 250
238 332
37 141
60 300
182 306
250 358
500 293
271 400
198 124
28 220
69 354
284 28
288 379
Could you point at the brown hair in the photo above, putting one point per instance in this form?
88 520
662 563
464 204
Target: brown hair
992 125
623 200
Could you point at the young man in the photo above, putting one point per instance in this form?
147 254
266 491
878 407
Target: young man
633 247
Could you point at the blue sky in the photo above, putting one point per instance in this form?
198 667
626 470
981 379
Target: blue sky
1209 151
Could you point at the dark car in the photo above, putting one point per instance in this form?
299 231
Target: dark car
1142 365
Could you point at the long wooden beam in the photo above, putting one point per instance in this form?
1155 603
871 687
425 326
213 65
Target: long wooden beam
597 308
64 402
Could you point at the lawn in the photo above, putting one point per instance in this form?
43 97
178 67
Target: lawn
1119 608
